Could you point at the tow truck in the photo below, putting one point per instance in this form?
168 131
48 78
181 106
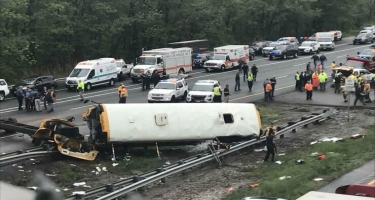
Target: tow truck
360 63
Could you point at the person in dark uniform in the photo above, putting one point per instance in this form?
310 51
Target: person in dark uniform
143 81
237 86
155 78
148 80
315 58
20 96
164 74
270 145
254 71
308 67
273 84
245 69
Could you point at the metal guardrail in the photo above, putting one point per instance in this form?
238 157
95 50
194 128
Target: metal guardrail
23 156
134 183
21 152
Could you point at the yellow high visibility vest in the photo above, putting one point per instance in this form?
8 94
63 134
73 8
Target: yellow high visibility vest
250 77
217 91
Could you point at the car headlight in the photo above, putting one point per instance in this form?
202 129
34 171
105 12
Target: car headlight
210 96
189 95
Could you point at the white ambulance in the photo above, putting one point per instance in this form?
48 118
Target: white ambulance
93 72
227 57
174 61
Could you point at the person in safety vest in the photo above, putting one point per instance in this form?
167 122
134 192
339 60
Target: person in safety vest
123 94
271 147
344 92
268 91
326 79
297 77
217 94
119 90
250 79
322 80
366 91
333 66
271 129
309 90
80 89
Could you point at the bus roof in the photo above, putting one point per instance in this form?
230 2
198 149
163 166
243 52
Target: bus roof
329 196
187 42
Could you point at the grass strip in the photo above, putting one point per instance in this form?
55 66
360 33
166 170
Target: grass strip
341 157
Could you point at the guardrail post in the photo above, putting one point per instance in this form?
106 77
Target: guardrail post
79 197
305 118
159 170
181 163
290 124
136 179
110 188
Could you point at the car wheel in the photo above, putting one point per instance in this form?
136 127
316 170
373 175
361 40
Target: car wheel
111 82
295 55
284 56
271 58
252 57
129 75
88 86
222 68
134 80
151 101
2 96
184 96
181 71
310 52
120 76
173 99
207 70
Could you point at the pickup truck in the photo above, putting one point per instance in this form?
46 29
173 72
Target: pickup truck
360 63
123 69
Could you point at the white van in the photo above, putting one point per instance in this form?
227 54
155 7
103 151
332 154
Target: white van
325 35
93 72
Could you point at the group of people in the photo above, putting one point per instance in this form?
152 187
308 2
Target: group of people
149 78
33 99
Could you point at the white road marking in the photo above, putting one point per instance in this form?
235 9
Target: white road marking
80 107
341 56
299 64
282 76
7 110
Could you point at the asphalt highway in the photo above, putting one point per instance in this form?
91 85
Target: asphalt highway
68 103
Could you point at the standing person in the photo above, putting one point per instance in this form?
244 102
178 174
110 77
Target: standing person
254 71
164 74
217 93
268 91
308 67
337 82
45 91
366 91
123 94
322 59
302 78
119 91
315 80
358 95
148 79
319 68
250 79
245 69
273 84
333 67
144 77
20 96
80 89
226 94
270 146
325 80
264 88
50 98
240 64
237 87
155 78
309 90
315 59
322 80
28 100
298 81
37 97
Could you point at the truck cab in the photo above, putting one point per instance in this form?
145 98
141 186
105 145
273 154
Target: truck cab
146 63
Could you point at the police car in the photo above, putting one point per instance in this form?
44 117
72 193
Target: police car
169 91
202 91
367 54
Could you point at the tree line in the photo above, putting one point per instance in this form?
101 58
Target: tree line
51 36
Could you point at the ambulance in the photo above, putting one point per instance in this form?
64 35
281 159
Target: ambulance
174 61
97 72
227 57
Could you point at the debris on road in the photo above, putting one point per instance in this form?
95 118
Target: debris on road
300 161
79 193
230 189
318 179
254 185
284 177
281 154
114 164
278 162
356 136
79 184
321 157
314 154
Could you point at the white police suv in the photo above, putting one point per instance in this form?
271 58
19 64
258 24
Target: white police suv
169 90
202 91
